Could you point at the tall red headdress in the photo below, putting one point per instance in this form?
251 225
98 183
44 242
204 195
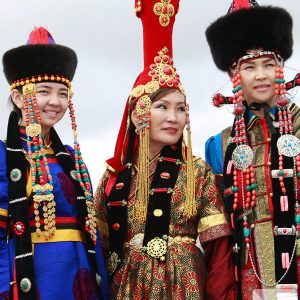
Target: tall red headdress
158 17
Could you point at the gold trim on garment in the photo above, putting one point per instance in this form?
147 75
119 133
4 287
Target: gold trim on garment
61 235
298 247
3 212
264 246
211 221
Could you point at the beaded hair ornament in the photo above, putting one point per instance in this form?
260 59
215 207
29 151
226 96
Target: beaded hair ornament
43 187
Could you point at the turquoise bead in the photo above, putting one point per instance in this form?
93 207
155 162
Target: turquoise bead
297 218
253 186
246 232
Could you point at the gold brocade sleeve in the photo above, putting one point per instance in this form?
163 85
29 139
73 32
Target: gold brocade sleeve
101 212
212 223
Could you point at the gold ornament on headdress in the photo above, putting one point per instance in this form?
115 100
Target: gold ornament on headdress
165 10
190 208
143 112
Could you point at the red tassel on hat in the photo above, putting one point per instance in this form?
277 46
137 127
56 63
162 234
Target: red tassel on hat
236 5
239 4
40 35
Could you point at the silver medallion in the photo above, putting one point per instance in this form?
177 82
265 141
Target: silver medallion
25 285
288 145
242 157
15 175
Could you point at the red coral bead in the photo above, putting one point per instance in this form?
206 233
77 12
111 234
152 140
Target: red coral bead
116 226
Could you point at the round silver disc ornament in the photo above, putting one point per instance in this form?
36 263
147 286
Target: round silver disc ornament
242 157
15 175
288 145
25 285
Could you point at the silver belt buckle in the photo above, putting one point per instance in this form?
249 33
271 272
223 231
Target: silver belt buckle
284 231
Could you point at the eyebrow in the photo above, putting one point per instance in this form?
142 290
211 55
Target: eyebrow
252 62
179 103
50 87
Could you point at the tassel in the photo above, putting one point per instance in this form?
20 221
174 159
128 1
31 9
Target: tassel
43 190
240 4
190 208
143 112
82 177
40 35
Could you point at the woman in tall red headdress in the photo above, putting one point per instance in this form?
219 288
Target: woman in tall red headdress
155 198
49 243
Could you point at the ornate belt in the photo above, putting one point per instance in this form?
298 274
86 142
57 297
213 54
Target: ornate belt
157 247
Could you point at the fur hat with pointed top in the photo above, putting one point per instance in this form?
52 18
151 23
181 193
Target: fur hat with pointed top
39 56
252 27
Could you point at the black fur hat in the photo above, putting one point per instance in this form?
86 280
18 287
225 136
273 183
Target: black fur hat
41 56
266 27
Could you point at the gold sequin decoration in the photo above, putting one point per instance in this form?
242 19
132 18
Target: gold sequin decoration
151 87
143 105
165 10
157 212
29 90
138 91
33 130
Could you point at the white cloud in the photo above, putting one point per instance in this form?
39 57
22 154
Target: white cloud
108 40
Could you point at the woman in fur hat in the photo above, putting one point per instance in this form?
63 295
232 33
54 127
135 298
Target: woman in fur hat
155 198
259 155
49 243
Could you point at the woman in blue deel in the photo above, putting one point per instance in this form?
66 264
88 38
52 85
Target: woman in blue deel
49 244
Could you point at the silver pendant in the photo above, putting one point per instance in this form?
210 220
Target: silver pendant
288 145
242 157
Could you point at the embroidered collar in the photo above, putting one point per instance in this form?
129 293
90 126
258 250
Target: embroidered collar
253 117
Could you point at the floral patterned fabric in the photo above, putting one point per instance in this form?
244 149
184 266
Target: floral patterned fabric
183 274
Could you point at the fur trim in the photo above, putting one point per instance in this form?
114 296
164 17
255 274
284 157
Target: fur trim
232 35
39 59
